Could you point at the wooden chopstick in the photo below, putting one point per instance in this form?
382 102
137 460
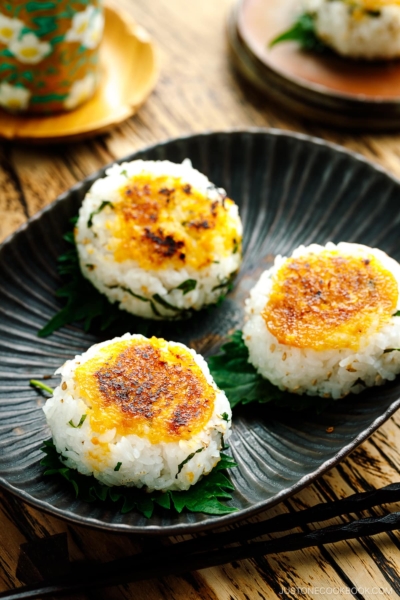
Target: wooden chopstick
209 550
320 512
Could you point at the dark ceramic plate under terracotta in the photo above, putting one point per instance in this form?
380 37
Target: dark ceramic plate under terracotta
328 88
291 190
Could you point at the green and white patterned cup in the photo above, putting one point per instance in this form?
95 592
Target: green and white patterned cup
49 54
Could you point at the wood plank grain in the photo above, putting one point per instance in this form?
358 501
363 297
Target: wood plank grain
13 208
198 91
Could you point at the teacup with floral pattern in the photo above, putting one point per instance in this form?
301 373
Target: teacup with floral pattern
49 54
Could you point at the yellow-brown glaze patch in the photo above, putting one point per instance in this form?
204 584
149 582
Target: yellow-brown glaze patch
372 5
365 9
146 388
162 222
329 301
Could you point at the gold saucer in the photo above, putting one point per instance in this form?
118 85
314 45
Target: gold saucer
129 74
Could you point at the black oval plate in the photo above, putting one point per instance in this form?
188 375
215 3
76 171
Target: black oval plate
291 190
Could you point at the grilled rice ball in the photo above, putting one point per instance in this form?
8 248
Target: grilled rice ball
361 29
139 412
159 238
325 320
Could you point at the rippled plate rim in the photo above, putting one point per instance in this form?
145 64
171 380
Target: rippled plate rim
210 522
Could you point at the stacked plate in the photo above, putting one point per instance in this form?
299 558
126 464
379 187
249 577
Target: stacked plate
324 88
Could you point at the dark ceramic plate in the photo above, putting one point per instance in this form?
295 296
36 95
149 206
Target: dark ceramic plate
291 190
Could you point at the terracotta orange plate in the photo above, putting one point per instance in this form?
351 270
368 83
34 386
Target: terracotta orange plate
327 88
129 74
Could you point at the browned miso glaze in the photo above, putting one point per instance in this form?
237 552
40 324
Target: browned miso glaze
146 388
163 222
328 301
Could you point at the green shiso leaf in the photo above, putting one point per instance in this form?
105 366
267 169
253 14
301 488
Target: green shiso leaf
183 463
85 303
207 496
233 373
187 286
98 210
164 303
237 377
303 32
163 500
125 289
227 284
81 422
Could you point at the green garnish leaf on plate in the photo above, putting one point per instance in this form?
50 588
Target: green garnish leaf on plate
84 302
240 381
237 377
209 495
303 32
41 386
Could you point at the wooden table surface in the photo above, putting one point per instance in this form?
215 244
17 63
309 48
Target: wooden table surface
197 91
